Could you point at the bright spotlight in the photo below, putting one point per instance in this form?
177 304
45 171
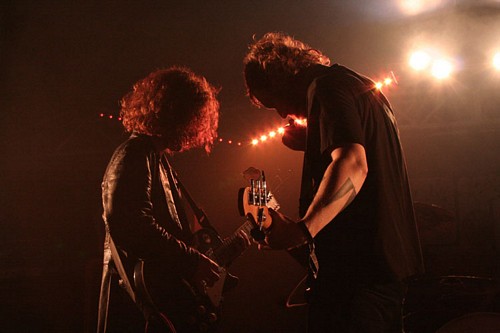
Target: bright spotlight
411 7
496 61
420 60
414 7
441 69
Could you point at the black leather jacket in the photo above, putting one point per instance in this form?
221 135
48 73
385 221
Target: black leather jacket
138 208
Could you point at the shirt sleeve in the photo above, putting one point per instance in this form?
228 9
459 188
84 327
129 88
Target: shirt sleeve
339 115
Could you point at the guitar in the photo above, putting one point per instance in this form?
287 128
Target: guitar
188 308
256 201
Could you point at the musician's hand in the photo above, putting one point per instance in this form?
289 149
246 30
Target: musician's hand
206 274
243 240
284 233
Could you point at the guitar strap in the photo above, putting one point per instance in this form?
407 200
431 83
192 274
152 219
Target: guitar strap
198 212
174 200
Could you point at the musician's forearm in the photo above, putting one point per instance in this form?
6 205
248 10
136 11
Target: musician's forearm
342 181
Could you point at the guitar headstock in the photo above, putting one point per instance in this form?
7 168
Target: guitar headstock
256 199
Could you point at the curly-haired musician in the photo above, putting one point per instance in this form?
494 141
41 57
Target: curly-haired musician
169 111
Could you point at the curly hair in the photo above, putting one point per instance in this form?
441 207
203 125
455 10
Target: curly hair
273 61
174 102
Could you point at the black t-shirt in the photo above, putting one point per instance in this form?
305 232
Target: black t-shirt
375 238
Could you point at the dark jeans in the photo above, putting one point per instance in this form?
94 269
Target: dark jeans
359 309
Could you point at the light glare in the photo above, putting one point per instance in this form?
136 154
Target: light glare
496 61
441 69
300 122
414 7
420 60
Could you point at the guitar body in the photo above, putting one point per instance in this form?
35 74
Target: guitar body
208 242
189 309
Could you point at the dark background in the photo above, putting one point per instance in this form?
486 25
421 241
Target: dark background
63 64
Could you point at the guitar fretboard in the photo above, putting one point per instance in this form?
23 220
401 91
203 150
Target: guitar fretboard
230 248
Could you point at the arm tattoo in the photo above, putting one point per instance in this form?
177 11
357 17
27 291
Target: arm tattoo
346 188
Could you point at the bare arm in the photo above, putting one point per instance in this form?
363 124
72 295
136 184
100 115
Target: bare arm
341 182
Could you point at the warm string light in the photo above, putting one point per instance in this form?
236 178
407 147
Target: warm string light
229 142
110 116
389 80
278 132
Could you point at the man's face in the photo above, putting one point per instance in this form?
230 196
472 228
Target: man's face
291 106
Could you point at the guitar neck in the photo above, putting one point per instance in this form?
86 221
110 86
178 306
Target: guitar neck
231 247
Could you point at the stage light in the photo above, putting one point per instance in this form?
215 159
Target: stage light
415 7
281 130
272 134
496 61
420 60
255 142
411 7
385 82
263 137
441 69
300 122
